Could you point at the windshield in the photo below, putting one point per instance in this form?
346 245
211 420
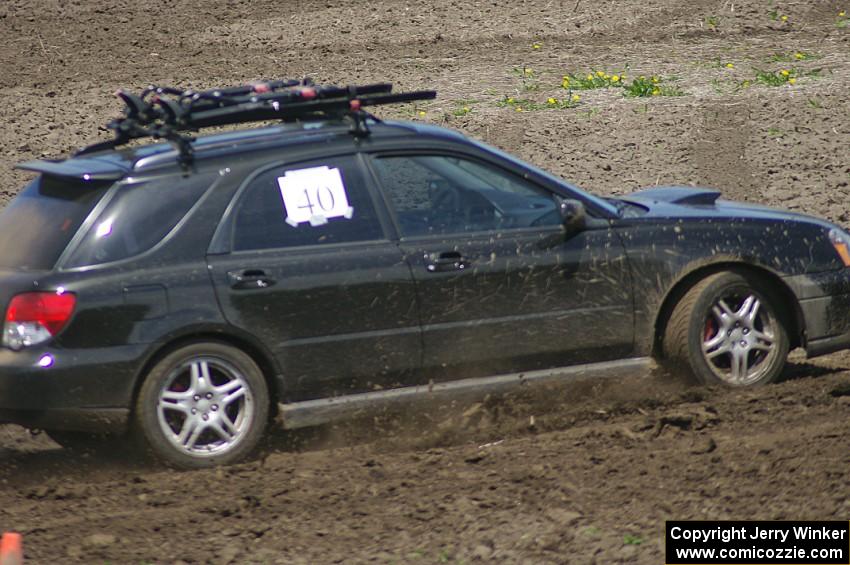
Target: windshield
37 225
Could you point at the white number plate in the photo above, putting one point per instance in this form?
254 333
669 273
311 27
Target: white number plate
313 195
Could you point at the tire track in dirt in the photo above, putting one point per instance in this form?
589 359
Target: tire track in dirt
719 151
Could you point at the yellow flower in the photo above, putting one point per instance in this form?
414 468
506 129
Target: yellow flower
421 113
783 18
656 80
536 45
552 101
615 78
589 77
799 56
576 97
730 65
642 77
565 83
511 100
842 13
466 109
600 73
792 80
518 109
656 92
745 84
784 72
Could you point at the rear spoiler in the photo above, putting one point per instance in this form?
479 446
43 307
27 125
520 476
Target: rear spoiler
79 169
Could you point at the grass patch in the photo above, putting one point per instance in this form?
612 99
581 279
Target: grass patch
791 57
527 105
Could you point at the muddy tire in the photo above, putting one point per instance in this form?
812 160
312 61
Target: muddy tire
202 405
727 329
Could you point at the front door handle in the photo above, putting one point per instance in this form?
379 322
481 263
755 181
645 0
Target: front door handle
249 279
446 261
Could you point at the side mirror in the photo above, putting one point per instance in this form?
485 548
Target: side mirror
573 215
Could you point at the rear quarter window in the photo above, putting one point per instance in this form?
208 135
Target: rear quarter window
138 217
37 225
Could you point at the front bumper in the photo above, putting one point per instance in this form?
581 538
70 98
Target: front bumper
824 300
80 389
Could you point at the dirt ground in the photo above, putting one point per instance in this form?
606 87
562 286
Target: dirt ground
583 473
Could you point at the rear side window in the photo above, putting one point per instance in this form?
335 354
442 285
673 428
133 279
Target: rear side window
39 223
313 203
138 217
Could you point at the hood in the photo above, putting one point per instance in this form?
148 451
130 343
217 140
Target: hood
695 203
682 195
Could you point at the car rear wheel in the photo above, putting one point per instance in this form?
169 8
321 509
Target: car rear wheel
202 405
727 329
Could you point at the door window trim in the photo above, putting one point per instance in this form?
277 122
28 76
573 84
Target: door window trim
221 242
370 156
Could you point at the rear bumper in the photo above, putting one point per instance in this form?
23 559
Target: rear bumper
81 389
824 300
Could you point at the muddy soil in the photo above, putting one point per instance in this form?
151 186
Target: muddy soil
582 473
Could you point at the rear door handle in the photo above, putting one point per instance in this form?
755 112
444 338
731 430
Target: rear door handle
249 279
446 261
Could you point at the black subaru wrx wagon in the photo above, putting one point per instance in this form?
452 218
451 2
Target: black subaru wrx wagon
189 291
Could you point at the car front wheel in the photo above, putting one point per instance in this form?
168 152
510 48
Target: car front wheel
727 329
202 405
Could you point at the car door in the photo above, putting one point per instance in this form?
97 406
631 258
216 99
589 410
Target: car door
311 273
500 287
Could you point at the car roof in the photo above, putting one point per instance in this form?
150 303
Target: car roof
114 164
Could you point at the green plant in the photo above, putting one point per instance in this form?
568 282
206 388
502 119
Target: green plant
843 20
464 107
774 132
712 22
527 77
776 16
777 78
629 539
590 81
643 87
815 103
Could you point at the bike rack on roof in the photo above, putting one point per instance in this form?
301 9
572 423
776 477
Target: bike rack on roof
167 113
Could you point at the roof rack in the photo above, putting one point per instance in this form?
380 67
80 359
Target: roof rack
162 112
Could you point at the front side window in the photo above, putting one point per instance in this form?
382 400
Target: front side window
138 217
314 203
440 194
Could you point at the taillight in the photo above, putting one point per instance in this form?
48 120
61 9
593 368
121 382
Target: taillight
35 317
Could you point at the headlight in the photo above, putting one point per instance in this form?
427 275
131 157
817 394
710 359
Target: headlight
841 242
